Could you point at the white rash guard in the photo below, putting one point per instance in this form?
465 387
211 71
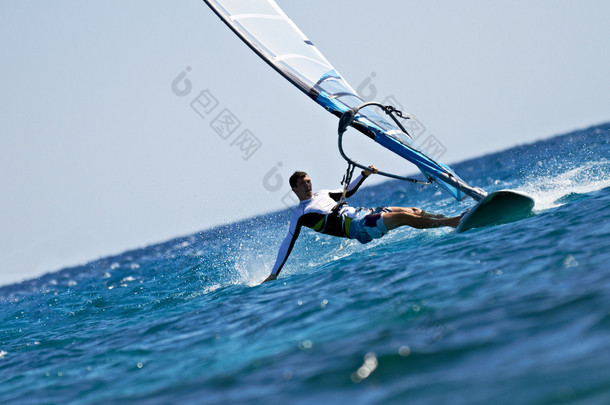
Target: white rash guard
322 214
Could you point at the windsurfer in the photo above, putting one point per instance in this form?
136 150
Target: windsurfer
326 212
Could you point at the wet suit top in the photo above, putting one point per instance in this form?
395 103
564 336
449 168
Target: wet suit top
321 213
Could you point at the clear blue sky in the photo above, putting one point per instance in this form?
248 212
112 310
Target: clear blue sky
99 155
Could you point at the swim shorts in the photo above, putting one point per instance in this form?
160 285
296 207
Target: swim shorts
368 224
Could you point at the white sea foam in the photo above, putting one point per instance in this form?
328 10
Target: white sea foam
211 288
587 178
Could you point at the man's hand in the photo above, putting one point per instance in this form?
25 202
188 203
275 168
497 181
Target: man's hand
367 173
271 277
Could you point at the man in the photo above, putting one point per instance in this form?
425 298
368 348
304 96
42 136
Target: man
322 213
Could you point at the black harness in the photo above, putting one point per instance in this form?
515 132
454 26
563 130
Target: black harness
333 223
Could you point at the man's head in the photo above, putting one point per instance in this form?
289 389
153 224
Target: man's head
301 185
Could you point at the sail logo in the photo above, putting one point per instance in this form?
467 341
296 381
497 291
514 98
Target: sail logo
224 123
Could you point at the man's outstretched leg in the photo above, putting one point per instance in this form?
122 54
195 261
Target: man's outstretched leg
416 218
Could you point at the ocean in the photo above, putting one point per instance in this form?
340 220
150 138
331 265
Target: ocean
512 314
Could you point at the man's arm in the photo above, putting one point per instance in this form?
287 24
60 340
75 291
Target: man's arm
354 185
284 252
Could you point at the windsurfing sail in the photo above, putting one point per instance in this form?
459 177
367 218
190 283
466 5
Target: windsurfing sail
269 32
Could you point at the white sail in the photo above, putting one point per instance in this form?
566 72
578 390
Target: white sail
269 32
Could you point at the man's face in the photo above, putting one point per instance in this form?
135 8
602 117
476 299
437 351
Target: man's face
303 189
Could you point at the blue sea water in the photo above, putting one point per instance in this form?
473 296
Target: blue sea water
511 314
